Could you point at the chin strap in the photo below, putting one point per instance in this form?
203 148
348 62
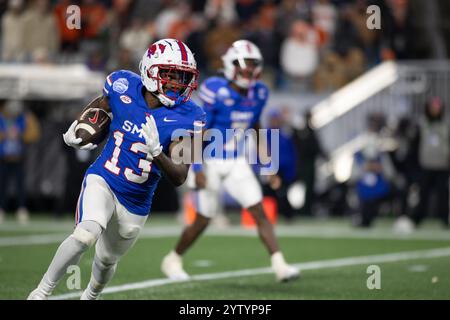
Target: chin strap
164 100
167 101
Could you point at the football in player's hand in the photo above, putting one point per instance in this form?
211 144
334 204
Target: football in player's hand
93 126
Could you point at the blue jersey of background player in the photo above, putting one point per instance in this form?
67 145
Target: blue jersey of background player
226 108
122 162
233 102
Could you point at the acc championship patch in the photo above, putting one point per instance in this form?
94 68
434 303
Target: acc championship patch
120 85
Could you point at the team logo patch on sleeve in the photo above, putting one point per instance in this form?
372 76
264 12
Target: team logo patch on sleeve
120 85
125 99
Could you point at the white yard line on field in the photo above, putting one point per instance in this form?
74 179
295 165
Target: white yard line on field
313 265
325 232
39 226
32 240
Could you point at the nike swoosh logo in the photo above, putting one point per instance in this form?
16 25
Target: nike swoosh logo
94 119
169 120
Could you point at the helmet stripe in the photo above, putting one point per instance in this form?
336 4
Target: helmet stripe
183 51
249 48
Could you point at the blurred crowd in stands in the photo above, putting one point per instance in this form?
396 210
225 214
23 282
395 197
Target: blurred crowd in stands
410 177
407 178
317 45
401 171
308 45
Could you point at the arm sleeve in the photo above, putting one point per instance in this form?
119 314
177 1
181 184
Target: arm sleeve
107 88
208 98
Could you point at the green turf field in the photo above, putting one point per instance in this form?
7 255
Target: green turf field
232 264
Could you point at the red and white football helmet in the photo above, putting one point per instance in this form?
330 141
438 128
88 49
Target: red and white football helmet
237 60
169 71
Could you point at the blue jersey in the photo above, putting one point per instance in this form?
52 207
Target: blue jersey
227 109
122 162
12 131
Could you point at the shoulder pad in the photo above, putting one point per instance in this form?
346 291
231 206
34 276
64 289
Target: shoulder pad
212 88
121 82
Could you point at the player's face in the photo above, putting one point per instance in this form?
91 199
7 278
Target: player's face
249 70
175 81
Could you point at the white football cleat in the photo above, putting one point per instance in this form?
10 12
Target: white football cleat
43 290
93 290
283 271
88 294
172 267
287 273
37 294
404 225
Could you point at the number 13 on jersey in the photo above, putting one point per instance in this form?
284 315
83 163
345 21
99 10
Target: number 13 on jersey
137 147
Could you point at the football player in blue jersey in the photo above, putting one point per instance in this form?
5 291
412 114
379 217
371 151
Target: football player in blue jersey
118 187
233 101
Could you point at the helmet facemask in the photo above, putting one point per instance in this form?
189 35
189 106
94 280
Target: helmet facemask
246 72
242 63
175 83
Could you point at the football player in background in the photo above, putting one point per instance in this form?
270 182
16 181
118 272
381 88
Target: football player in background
233 101
118 187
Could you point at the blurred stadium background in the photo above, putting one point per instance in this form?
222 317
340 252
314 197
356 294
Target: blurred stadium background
359 148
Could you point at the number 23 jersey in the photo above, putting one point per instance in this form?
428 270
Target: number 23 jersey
122 162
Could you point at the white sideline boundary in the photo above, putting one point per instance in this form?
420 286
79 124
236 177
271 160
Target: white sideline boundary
326 232
312 265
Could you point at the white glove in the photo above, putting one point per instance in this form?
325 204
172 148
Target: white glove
151 136
72 141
